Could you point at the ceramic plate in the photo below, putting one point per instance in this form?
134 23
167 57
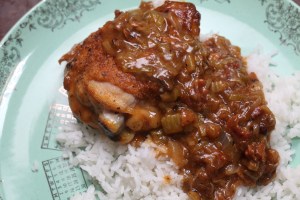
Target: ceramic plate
33 102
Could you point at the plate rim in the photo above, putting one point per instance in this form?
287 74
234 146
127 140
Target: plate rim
15 27
42 3
5 38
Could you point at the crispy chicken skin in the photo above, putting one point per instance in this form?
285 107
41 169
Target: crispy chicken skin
88 63
146 74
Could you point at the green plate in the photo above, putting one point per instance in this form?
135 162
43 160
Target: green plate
33 103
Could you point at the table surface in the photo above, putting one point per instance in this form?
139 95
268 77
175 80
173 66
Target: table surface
12 10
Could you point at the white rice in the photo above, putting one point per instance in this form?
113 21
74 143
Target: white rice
282 94
125 172
122 171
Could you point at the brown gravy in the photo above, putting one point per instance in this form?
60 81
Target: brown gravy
208 111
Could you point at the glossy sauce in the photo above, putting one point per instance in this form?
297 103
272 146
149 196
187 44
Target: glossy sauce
208 112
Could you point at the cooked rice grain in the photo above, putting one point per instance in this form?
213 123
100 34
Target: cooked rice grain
124 172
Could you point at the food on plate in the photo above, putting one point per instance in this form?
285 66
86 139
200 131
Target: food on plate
147 74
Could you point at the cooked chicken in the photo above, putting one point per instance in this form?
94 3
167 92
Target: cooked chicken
147 73
96 82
